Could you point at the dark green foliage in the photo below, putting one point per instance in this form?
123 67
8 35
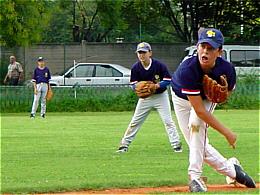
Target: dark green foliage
3 69
24 22
21 22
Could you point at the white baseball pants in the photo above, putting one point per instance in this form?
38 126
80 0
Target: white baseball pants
42 89
162 104
195 134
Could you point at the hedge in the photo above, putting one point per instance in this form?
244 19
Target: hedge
111 98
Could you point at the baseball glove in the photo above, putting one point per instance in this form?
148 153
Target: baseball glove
49 94
215 92
144 89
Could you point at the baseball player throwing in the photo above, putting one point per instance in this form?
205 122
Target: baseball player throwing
41 85
195 94
151 76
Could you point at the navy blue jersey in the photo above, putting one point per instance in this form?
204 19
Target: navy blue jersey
187 79
41 75
157 72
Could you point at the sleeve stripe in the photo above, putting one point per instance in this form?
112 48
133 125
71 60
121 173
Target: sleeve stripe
189 91
167 79
234 88
133 82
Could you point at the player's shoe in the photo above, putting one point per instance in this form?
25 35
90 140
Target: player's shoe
197 185
122 149
32 116
241 176
43 115
230 180
177 148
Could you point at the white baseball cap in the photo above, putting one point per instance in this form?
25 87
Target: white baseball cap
143 47
40 59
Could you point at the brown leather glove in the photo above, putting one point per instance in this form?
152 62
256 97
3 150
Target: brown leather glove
215 92
144 89
49 94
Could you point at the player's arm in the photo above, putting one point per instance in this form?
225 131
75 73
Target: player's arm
207 117
34 87
133 85
49 78
20 71
163 83
166 77
6 76
34 82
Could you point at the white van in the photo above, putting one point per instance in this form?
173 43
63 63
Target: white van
246 59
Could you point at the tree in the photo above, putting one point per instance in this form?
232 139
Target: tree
22 21
95 20
143 21
60 26
187 16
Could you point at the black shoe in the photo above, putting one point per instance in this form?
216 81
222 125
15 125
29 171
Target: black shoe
177 148
32 116
122 149
243 178
43 115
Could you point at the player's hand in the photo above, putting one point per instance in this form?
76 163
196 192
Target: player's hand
35 92
232 139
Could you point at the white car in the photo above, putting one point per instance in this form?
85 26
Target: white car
93 74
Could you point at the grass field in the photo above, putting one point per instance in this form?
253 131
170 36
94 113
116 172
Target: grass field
75 151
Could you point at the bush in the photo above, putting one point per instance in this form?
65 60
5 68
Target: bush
112 98
246 94
19 99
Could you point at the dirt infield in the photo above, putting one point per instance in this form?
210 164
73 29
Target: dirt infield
165 189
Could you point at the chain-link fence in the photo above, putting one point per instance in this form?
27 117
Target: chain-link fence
109 98
80 98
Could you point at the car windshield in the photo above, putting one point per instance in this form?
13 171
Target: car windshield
64 71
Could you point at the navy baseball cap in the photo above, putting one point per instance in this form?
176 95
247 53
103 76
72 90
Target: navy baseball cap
143 47
211 36
40 59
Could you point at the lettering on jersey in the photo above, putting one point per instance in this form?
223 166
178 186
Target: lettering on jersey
157 78
46 75
210 33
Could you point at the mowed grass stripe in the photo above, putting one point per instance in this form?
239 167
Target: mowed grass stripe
73 151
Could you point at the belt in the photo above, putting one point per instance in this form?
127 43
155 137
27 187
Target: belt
41 83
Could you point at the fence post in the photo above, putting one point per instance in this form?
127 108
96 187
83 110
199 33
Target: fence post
64 61
83 51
